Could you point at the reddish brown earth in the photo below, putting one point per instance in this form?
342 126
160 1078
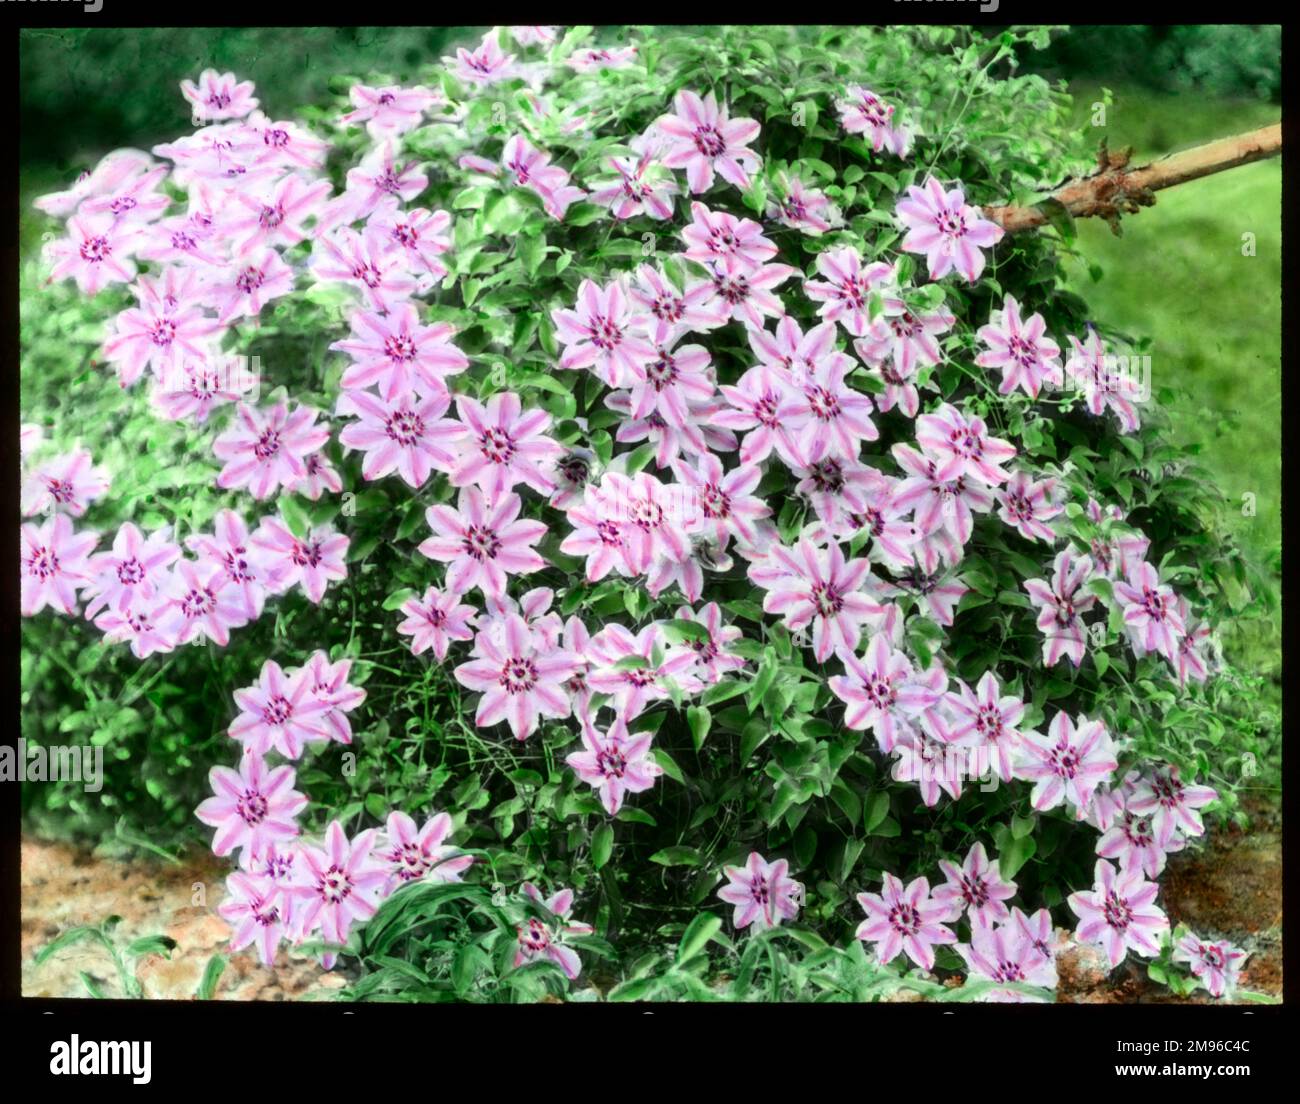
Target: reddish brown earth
1229 888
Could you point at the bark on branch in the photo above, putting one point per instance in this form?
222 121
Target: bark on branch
1115 189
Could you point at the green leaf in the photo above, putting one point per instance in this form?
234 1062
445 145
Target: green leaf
1015 855
874 811
211 976
700 720
697 935
602 845
678 856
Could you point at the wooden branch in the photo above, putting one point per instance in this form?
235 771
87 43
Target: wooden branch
1115 189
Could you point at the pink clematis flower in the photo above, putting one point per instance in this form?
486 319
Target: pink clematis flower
986 719
265 450
541 940
419 854
1151 616
136 200
591 61
628 669
368 263
601 536
531 168
136 627
312 561
904 920
947 229
898 343
1006 953
1027 356
801 208
1061 607
535 36
1068 764
218 96
278 712
328 683
722 506
1193 658
388 110
159 338
668 312
420 234
55 564
763 405
747 296
863 112
932 762
259 913
1171 804
274 214
396 353
846 287
674 381
320 477
1119 913
717 238
694 438
614 763
483 542
132 572
520 681
284 145
1029 506
962 446
650 515
975 888
762 892
253 808
341 883
244 288
193 388
1103 385
501 445
823 589
379 184
1130 840
883 692
231 550
66 484
702 140
111 173
487 64
434 620
202 603
1216 964
712 656
601 335
640 185
399 435
833 418
96 253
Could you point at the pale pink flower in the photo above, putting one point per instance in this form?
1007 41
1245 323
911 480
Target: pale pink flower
389 110
520 682
763 405
535 36
833 418
1027 356
1131 840
253 808
136 201
219 96
641 184
1029 506
1068 764
650 515
1097 375
1005 953
1192 660
106 177
713 659
963 446
378 183
340 883
258 912
626 667
312 561
601 536
1216 964
1171 804
192 389
285 145
1151 616
695 437
904 920
420 234
1119 913
935 765
863 112
531 168
947 229
67 484
936 596
722 505
242 289
987 720
589 60
366 262
975 888
762 892
846 287
1061 606
30 438
96 253
501 445
702 140
278 713
399 435
328 683
541 940
801 208
436 619
320 477
601 334
823 589
419 854
396 353
55 565
716 237
747 296
939 502
483 542
906 341
274 215
230 548
614 763
159 337
883 692
669 312
672 382
485 65
136 627
131 572
265 450
202 603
